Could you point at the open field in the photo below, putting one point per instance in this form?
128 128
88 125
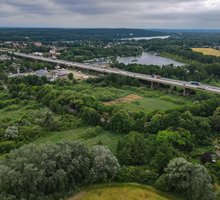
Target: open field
134 98
145 100
121 192
207 51
107 138
148 105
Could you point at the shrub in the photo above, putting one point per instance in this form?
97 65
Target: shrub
7 146
92 132
11 133
137 175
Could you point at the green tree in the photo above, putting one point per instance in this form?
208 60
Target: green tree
200 184
216 119
90 115
121 122
164 153
104 165
133 149
180 138
191 180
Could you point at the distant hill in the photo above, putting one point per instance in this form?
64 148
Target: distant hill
186 30
55 34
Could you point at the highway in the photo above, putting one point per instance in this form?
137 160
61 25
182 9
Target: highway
109 70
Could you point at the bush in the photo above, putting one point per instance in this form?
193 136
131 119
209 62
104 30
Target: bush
92 132
11 133
68 121
7 146
30 132
137 175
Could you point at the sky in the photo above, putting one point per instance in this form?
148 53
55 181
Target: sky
110 13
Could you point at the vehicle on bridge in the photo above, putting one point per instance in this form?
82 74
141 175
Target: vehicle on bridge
195 83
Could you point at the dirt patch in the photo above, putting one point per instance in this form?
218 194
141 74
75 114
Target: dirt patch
127 99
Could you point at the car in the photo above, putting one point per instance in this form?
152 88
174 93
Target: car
195 83
155 76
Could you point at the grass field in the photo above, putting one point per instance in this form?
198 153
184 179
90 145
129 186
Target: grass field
148 105
149 100
107 138
207 51
133 98
121 192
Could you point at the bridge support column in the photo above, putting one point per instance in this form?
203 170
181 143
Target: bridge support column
154 85
186 92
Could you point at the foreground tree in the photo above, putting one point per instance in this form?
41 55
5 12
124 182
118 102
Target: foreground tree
48 171
104 165
191 180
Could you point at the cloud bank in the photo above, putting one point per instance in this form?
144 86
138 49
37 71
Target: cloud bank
110 13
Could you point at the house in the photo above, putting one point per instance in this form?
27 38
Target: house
42 73
37 44
53 53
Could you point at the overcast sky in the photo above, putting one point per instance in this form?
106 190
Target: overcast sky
110 13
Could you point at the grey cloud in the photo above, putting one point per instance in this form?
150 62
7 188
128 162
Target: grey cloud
112 13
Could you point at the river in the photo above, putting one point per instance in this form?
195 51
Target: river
147 38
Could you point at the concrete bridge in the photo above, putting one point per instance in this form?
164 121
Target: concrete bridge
155 81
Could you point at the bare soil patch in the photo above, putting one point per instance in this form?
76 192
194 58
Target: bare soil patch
126 99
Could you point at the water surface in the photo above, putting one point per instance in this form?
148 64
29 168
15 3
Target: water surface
147 38
148 59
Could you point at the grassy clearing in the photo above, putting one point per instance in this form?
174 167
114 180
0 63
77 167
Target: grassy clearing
14 112
133 98
105 137
207 51
149 100
148 105
122 192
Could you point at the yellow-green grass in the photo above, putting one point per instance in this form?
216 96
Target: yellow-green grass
121 192
207 51
105 137
148 105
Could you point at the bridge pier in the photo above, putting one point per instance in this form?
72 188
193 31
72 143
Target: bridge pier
186 91
154 85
